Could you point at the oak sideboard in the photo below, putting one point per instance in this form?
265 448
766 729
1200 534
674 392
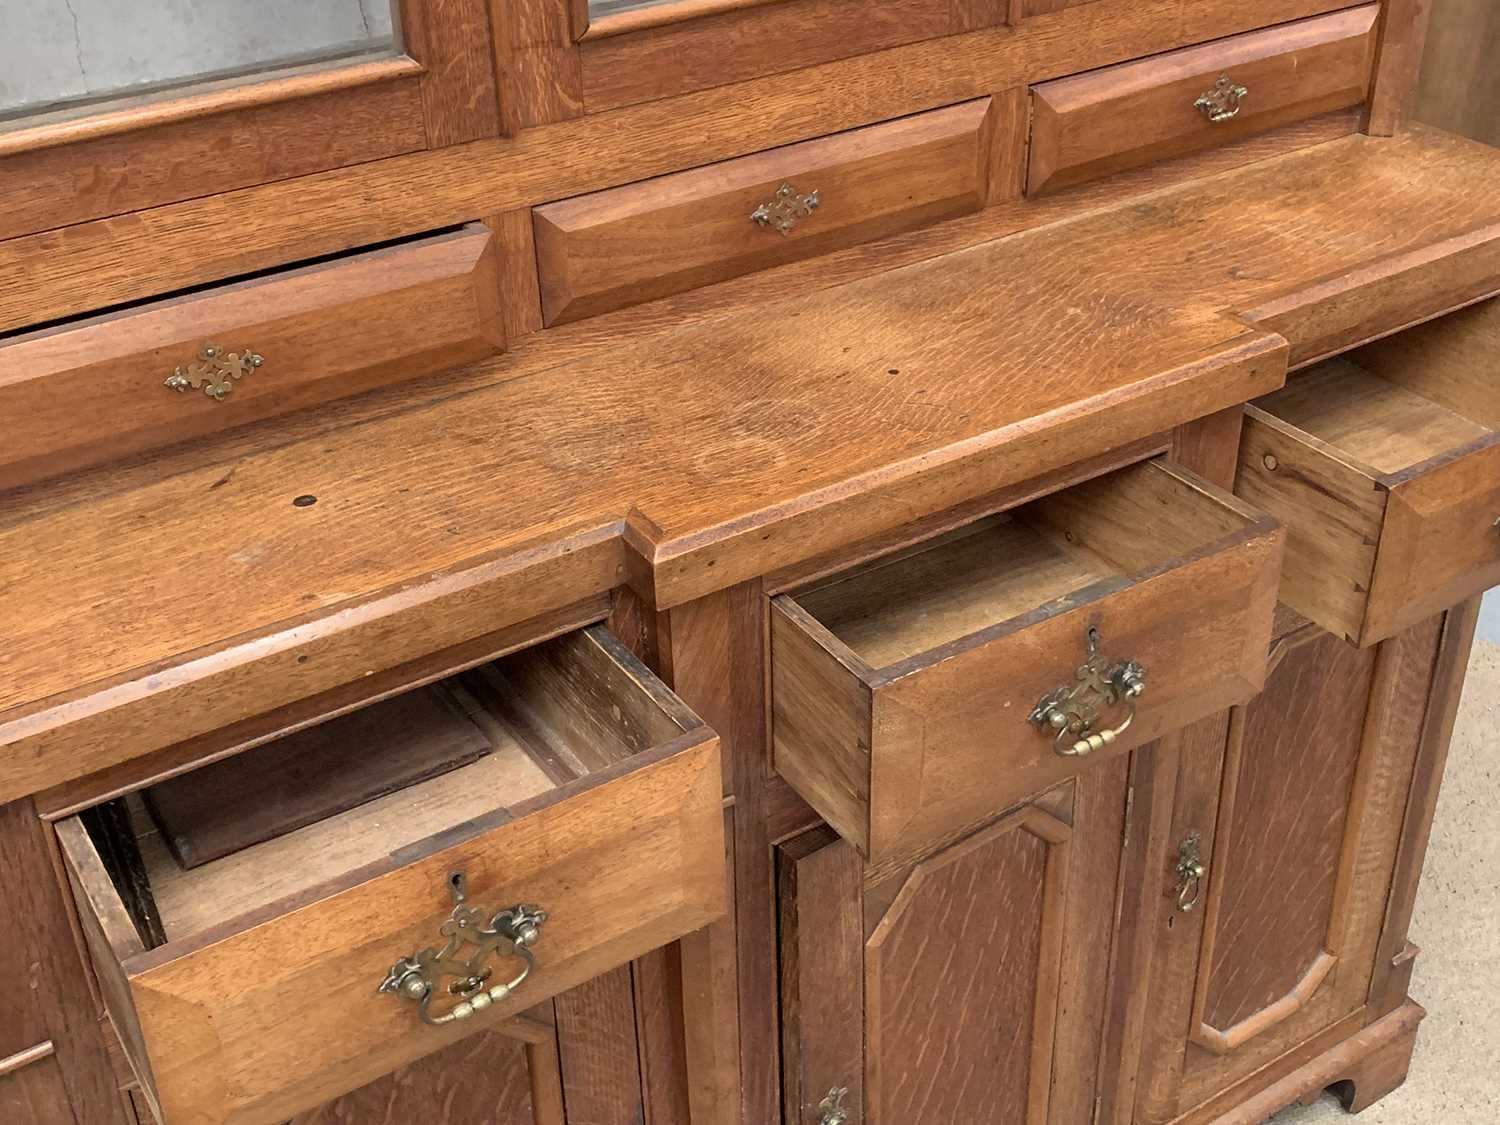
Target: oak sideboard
730 562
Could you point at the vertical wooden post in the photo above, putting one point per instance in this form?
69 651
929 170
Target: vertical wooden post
1398 62
714 653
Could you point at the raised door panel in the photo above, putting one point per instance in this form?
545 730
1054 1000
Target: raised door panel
1298 809
1270 937
508 1076
966 985
965 963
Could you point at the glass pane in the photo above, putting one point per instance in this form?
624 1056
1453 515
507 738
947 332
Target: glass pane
56 53
599 8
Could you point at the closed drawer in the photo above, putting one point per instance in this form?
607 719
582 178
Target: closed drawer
1385 467
904 692
597 799
1124 116
98 389
631 244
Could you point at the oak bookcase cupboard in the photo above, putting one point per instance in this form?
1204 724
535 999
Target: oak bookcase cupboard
736 561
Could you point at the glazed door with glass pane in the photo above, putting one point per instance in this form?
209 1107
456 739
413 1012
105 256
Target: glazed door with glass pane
108 107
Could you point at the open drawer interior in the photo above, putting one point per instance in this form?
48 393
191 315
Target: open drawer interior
1385 466
277 821
1012 565
1376 421
564 778
910 695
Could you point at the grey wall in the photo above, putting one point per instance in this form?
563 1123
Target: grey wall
55 51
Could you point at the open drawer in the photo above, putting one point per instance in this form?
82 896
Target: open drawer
587 831
1384 465
928 690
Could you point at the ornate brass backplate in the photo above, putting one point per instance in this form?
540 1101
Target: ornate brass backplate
215 370
1074 710
1190 872
1224 102
508 933
832 1105
783 212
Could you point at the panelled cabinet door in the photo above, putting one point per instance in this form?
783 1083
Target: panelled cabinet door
967 985
507 1075
1295 817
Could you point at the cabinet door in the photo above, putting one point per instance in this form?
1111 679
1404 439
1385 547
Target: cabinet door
109 108
965 985
504 1076
1296 801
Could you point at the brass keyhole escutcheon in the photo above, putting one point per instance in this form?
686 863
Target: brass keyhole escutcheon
215 371
1072 712
474 936
786 210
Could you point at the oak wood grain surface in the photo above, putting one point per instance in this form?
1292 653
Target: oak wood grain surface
321 332
631 244
912 719
216 1060
802 439
1383 467
108 261
1091 124
645 824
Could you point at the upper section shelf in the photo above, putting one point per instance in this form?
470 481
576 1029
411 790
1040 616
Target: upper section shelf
696 457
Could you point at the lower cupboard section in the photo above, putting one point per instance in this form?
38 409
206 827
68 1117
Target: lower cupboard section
1299 802
966 985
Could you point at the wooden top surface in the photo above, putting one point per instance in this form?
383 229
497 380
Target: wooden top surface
734 444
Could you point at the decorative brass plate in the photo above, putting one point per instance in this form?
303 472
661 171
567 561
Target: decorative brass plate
1073 710
215 370
1223 102
832 1105
508 933
783 212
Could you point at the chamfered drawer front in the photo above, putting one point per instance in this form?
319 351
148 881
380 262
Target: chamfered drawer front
168 370
910 697
259 995
1385 468
1124 116
635 243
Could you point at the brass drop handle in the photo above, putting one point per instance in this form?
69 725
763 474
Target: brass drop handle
506 933
1072 712
784 211
833 1108
1191 872
1224 102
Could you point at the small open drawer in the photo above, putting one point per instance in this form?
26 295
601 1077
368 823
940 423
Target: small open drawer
250 987
1384 465
904 692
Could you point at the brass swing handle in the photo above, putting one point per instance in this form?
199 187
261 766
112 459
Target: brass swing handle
1224 102
1191 871
1072 712
472 940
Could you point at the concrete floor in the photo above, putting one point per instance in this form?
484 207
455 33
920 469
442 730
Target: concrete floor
1455 1074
